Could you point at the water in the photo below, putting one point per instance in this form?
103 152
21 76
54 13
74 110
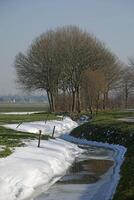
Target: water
85 176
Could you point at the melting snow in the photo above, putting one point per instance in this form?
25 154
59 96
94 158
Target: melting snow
30 167
20 113
31 170
61 126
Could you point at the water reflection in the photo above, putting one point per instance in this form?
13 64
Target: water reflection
86 170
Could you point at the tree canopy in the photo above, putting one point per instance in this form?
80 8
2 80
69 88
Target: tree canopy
57 60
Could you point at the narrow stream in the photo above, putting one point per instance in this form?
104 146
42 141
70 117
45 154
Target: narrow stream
85 176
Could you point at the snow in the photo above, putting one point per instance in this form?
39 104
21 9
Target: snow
83 119
129 110
24 172
61 126
31 170
2 147
127 119
20 113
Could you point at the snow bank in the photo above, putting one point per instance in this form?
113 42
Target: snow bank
110 181
61 126
29 168
20 113
127 119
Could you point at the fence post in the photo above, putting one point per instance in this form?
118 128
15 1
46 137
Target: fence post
19 125
53 132
46 118
39 138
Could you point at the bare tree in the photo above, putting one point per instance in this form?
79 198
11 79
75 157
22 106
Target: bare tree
38 69
112 73
93 86
81 51
56 61
128 81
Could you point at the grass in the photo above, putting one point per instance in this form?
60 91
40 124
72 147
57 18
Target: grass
23 107
5 152
11 138
26 118
107 128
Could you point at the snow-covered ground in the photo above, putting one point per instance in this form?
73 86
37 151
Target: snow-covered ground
84 191
127 119
20 113
1 147
61 126
30 170
129 110
24 172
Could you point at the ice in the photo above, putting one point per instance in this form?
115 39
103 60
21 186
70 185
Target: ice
109 185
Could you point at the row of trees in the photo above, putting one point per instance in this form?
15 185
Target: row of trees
75 69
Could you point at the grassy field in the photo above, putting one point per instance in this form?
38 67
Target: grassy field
21 107
106 127
11 138
43 116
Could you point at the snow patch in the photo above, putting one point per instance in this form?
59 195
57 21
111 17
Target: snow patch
28 168
2 147
61 126
20 113
127 119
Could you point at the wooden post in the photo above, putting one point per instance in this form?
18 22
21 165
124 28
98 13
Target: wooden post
39 138
19 125
53 132
46 118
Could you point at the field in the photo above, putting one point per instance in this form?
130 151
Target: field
22 107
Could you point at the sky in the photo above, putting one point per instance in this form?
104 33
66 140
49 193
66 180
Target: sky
21 21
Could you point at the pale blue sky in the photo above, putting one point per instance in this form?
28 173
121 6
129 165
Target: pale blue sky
112 21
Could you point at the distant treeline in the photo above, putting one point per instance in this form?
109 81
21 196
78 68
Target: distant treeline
23 99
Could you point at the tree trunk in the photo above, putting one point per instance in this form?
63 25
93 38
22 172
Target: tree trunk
126 96
91 110
97 103
73 101
64 101
78 99
49 100
104 101
90 104
52 102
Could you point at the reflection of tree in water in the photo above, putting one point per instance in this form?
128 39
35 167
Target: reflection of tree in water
87 171
98 167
